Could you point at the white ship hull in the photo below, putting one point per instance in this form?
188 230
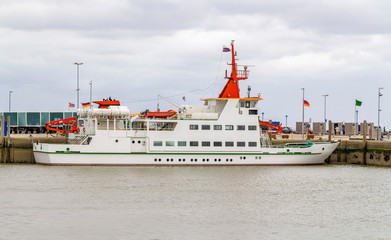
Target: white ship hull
313 155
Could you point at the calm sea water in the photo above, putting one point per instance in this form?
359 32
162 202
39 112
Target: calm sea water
321 202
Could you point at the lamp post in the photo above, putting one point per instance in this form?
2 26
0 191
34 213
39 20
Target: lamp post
286 120
78 89
9 101
325 96
356 116
378 113
302 119
90 94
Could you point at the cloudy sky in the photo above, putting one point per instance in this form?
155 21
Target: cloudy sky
134 50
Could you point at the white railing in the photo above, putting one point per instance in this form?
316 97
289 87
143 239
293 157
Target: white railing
80 140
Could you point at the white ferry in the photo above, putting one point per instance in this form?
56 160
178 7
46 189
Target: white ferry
223 131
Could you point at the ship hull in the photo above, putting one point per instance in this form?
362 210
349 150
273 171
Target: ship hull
315 155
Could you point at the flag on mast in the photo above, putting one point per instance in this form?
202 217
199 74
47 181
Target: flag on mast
358 103
306 103
71 105
225 49
86 104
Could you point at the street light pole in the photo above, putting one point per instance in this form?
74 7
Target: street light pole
90 94
286 120
9 101
302 119
325 95
378 113
356 116
325 118
78 89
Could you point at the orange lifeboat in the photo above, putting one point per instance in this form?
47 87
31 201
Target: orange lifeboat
159 114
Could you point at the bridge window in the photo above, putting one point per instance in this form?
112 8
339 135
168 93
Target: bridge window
253 112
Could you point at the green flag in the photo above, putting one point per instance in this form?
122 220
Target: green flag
358 103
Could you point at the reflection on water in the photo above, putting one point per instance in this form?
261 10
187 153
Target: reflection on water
317 202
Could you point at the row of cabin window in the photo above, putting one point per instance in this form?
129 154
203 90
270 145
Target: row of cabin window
203 144
220 127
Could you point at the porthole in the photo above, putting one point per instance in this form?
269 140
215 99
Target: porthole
180 159
139 142
191 160
203 159
195 160
116 140
207 160
184 159
231 159
155 159
322 149
244 157
241 157
219 160
133 141
160 159
172 159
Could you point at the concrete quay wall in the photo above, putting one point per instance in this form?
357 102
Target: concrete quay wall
374 153
20 149
370 152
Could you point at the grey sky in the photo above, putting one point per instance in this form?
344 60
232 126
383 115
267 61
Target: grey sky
135 50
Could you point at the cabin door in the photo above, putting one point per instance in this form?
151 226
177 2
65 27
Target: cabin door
138 145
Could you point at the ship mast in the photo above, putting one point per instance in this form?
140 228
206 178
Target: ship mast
231 89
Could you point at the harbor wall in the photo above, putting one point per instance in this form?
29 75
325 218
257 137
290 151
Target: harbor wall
20 149
373 153
376 153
